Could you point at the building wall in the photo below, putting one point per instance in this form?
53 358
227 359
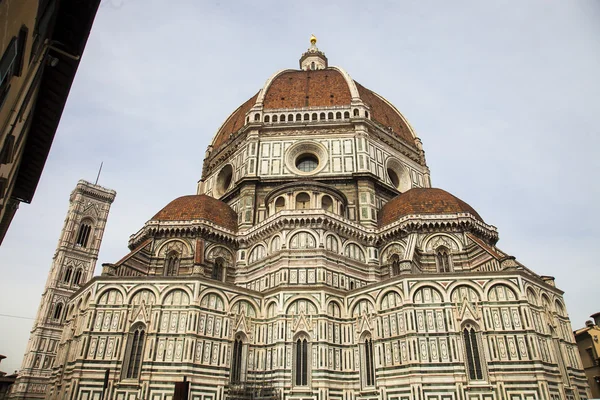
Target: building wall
416 324
17 92
589 350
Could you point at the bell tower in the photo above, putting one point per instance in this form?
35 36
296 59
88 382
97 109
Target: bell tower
73 266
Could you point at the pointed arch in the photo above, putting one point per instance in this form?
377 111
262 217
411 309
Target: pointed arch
135 350
77 277
473 350
302 356
367 359
84 232
238 357
68 274
57 313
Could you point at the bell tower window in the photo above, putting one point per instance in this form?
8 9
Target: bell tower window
58 312
77 277
68 273
84 234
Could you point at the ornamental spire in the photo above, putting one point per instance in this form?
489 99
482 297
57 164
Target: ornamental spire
313 58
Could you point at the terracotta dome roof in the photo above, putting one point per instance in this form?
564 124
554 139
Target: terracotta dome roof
187 208
423 201
295 89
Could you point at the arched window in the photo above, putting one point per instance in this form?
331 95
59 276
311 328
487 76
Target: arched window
257 117
331 243
338 115
368 374
330 115
275 244
274 118
298 117
258 253
58 309
302 201
236 360
279 204
327 203
352 250
356 112
267 118
442 258
137 337
366 114
321 116
303 240
217 272
301 362
395 264
346 114
312 65
171 264
282 119
473 354
84 234
306 117
77 277
314 116
68 274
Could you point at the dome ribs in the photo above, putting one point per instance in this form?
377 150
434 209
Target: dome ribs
384 114
294 88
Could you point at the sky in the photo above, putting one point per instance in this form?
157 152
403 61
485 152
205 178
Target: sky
505 96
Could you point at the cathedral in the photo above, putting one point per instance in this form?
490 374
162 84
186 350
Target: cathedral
314 262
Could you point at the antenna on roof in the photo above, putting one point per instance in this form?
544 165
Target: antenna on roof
100 170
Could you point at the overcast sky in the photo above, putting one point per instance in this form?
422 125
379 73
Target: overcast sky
505 96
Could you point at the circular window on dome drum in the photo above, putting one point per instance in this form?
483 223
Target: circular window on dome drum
306 158
224 179
393 177
307 162
398 175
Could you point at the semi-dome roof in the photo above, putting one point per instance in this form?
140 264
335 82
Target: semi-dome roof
329 87
423 201
188 208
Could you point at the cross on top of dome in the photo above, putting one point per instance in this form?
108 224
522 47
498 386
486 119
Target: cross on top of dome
313 58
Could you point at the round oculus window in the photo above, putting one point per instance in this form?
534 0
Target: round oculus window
393 177
224 179
307 162
306 158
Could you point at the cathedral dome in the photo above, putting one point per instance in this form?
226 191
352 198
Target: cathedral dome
187 208
300 91
418 201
